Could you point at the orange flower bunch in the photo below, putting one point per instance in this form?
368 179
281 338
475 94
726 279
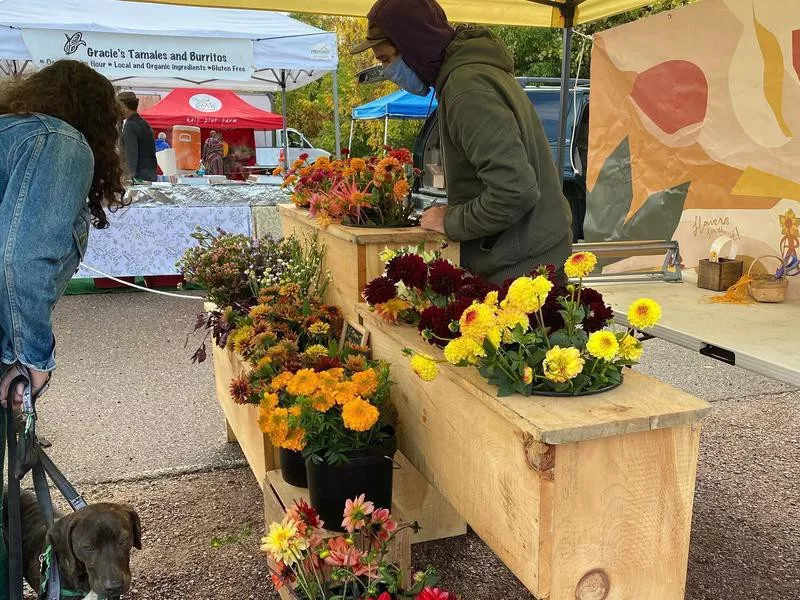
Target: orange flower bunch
370 191
330 410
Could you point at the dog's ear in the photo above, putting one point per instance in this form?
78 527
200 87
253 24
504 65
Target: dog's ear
136 527
59 536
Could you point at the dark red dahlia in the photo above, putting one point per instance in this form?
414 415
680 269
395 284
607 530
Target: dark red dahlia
345 151
548 271
403 155
327 362
456 308
552 319
408 268
475 288
444 278
379 290
307 513
437 321
598 314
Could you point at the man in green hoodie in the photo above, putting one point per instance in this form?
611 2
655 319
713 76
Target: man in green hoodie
505 202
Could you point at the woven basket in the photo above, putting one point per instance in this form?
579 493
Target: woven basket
768 288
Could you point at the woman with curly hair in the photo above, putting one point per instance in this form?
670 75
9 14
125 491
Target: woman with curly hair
59 171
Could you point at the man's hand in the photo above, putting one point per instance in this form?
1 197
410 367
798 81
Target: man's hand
433 219
39 381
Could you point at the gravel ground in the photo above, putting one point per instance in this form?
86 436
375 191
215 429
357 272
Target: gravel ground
124 383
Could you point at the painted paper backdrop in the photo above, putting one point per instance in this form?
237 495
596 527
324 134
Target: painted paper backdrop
695 130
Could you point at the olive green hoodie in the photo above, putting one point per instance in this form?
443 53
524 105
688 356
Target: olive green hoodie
505 203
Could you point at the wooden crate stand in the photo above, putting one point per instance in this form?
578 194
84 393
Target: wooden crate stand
414 498
580 497
351 253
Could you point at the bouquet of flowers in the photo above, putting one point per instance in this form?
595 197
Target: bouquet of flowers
233 269
372 192
347 567
327 413
508 339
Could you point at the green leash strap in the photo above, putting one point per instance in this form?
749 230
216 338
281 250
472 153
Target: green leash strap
48 559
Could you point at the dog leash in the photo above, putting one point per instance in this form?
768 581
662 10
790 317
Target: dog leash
26 454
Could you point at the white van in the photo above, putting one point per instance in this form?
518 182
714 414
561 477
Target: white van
269 147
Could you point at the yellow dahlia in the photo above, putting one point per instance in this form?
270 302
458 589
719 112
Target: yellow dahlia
491 299
319 328
528 294
461 350
425 367
580 264
630 348
510 317
316 351
284 543
359 415
644 313
562 364
603 344
478 322
304 383
527 376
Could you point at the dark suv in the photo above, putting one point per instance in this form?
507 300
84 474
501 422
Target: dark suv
545 95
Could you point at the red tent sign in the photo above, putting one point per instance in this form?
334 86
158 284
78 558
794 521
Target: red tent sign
220 109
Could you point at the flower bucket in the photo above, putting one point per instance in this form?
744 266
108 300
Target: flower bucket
369 471
293 468
552 394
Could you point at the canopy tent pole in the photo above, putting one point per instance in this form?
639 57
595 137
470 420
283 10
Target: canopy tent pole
386 131
285 122
568 10
350 143
336 124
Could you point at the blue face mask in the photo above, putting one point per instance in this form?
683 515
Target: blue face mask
400 73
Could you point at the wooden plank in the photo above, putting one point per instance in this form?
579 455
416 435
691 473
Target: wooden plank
242 421
755 333
622 515
365 235
640 404
483 463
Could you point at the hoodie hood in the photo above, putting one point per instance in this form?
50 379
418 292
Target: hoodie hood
474 46
420 31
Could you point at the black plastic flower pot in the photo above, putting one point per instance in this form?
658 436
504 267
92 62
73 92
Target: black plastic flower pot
368 472
293 468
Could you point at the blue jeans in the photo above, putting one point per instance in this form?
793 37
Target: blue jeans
46 170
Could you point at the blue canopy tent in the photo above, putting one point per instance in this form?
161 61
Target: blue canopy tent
399 105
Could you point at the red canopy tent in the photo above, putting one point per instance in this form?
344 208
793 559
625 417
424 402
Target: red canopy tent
209 109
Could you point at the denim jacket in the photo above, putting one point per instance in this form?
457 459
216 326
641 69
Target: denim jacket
46 170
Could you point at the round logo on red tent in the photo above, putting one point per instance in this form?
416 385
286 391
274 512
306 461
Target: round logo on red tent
205 103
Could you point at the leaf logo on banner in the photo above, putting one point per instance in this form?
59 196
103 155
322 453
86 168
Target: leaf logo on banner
74 42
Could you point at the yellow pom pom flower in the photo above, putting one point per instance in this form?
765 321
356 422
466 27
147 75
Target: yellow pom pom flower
492 299
527 376
644 313
359 415
603 344
562 364
425 367
528 294
463 350
580 264
479 321
630 348
510 317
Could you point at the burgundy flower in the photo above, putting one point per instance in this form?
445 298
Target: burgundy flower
552 319
437 321
327 362
548 271
444 278
456 308
379 290
242 390
475 288
345 151
408 268
598 314
403 155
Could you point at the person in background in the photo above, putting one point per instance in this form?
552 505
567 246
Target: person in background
161 142
213 150
505 202
58 134
137 140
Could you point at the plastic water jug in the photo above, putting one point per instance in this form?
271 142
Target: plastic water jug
186 143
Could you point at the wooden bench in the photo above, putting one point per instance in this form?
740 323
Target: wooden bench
586 498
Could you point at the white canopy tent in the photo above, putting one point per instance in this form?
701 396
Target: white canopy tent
165 46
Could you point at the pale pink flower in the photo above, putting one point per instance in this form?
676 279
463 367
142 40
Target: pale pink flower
382 524
356 513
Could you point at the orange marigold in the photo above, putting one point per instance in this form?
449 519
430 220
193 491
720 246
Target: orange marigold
359 415
401 189
345 392
295 440
366 382
304 383
279 381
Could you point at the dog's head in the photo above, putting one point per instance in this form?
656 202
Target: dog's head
94 544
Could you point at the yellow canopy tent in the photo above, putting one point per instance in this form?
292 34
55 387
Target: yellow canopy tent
564 14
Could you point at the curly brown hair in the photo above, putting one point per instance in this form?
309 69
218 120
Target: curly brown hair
73 92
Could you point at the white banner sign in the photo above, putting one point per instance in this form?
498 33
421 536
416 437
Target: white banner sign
119 56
